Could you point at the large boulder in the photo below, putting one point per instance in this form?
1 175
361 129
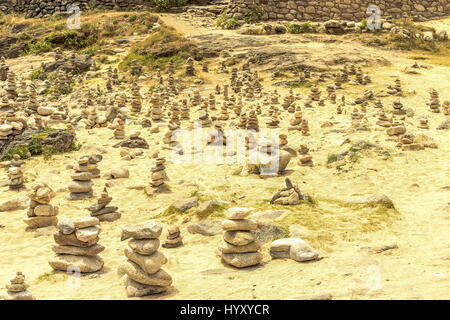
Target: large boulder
185 204
264 164
372 199
206 228
19 203
37 141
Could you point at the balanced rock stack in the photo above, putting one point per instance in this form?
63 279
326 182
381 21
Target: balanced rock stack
190 67
16 288
41 213
239 247
119 129
142 269
101 211
15 176
81 185
434 101
76 245
157 185
92 165
174 238
290 195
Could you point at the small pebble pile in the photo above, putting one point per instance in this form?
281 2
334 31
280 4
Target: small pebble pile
101 211
16 288
174 238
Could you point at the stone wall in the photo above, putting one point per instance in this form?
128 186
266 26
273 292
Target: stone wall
37 8
316 10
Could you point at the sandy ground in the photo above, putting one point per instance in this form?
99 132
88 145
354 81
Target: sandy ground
417 182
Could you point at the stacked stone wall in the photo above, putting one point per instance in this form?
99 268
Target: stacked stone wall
337 9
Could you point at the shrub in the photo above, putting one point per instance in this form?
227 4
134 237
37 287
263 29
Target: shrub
224 22
36 74
163 5
297 28
158 49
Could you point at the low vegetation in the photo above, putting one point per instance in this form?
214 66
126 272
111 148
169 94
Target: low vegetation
41 35
225 22
159 48
298 28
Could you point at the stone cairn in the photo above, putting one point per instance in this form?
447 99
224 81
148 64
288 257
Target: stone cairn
15 176
305 127
434 101
41 213
174 238
290 195
396 90
81 185
305 159
142 269
11 88
446 108
77 246
159 176
4 68
423 123
136 104
190 67
16 288
398 108
92 165
119 129
239 248
101 211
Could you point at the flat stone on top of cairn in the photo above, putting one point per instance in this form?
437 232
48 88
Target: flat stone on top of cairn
16 288
76 245
41 213
239 248
81 185
142 269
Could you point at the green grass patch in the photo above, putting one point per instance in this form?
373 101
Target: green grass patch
225 22
298 28
159 48
38 74
332 158
299 84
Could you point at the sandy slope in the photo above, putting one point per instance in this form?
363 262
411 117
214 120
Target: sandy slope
415 181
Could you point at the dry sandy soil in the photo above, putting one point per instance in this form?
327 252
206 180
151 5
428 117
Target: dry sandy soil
417 182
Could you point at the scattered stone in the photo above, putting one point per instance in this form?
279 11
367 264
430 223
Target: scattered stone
292 248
